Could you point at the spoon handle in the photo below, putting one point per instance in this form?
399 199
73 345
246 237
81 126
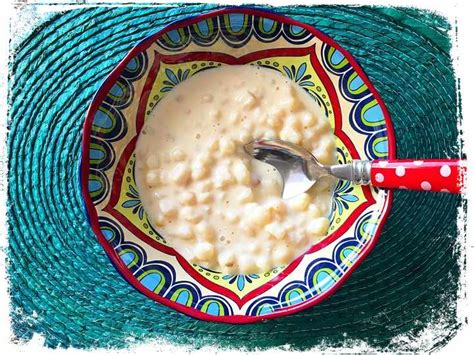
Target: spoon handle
439 175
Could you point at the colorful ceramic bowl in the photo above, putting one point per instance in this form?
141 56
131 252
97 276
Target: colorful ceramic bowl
227 37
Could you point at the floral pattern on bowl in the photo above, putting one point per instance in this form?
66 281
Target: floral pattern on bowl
226 37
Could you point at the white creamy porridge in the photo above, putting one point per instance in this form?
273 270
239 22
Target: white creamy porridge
213 203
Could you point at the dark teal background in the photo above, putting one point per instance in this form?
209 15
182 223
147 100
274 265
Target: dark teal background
63 286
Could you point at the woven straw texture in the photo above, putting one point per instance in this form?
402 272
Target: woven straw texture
63 286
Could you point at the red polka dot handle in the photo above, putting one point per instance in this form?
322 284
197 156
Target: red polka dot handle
440 175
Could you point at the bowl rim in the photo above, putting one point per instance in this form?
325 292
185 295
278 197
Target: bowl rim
91 212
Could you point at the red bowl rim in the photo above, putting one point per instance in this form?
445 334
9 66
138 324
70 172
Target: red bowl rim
84 168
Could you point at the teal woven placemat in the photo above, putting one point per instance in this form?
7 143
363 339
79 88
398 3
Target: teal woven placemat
63 286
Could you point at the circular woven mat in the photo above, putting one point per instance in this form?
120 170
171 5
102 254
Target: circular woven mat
64 287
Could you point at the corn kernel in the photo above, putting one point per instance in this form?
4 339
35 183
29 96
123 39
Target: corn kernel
204 251
300 202
276 230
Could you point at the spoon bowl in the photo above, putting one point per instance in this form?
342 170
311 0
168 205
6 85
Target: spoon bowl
299 169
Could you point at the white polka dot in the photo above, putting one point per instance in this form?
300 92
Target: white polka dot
418 162
444 190
379 177
400 171
425 185
403 188
445 171
383 163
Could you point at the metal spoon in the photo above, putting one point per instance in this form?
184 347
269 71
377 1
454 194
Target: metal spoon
300 170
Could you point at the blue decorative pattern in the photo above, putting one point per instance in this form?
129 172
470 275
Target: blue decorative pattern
109 125
366 116
343 195
174 79
235 30
160 276
240 280
321 274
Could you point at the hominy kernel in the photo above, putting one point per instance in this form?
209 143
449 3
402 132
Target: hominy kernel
319 202
188 254
269 134
215 115
291 135
314 211
199 170
277 207
308 119
276 230
292 121
204 231
281 254
263 263
246 99
205 158
204 197
300 239
214 146
287 103
245 195
241 172
181 174
245 136
324 151
253 247
222 176
184 232
248 228
227 259
274 122
271 187
258 116
233 117
323 126
168 208
191 215
277 112
250 207
153 178
318 226
247 264
260 216
204 251
300 202
205 186
232 217
226 146
310 137
248 126
164 177
187 198
177 155
158 195
219 195
160 220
